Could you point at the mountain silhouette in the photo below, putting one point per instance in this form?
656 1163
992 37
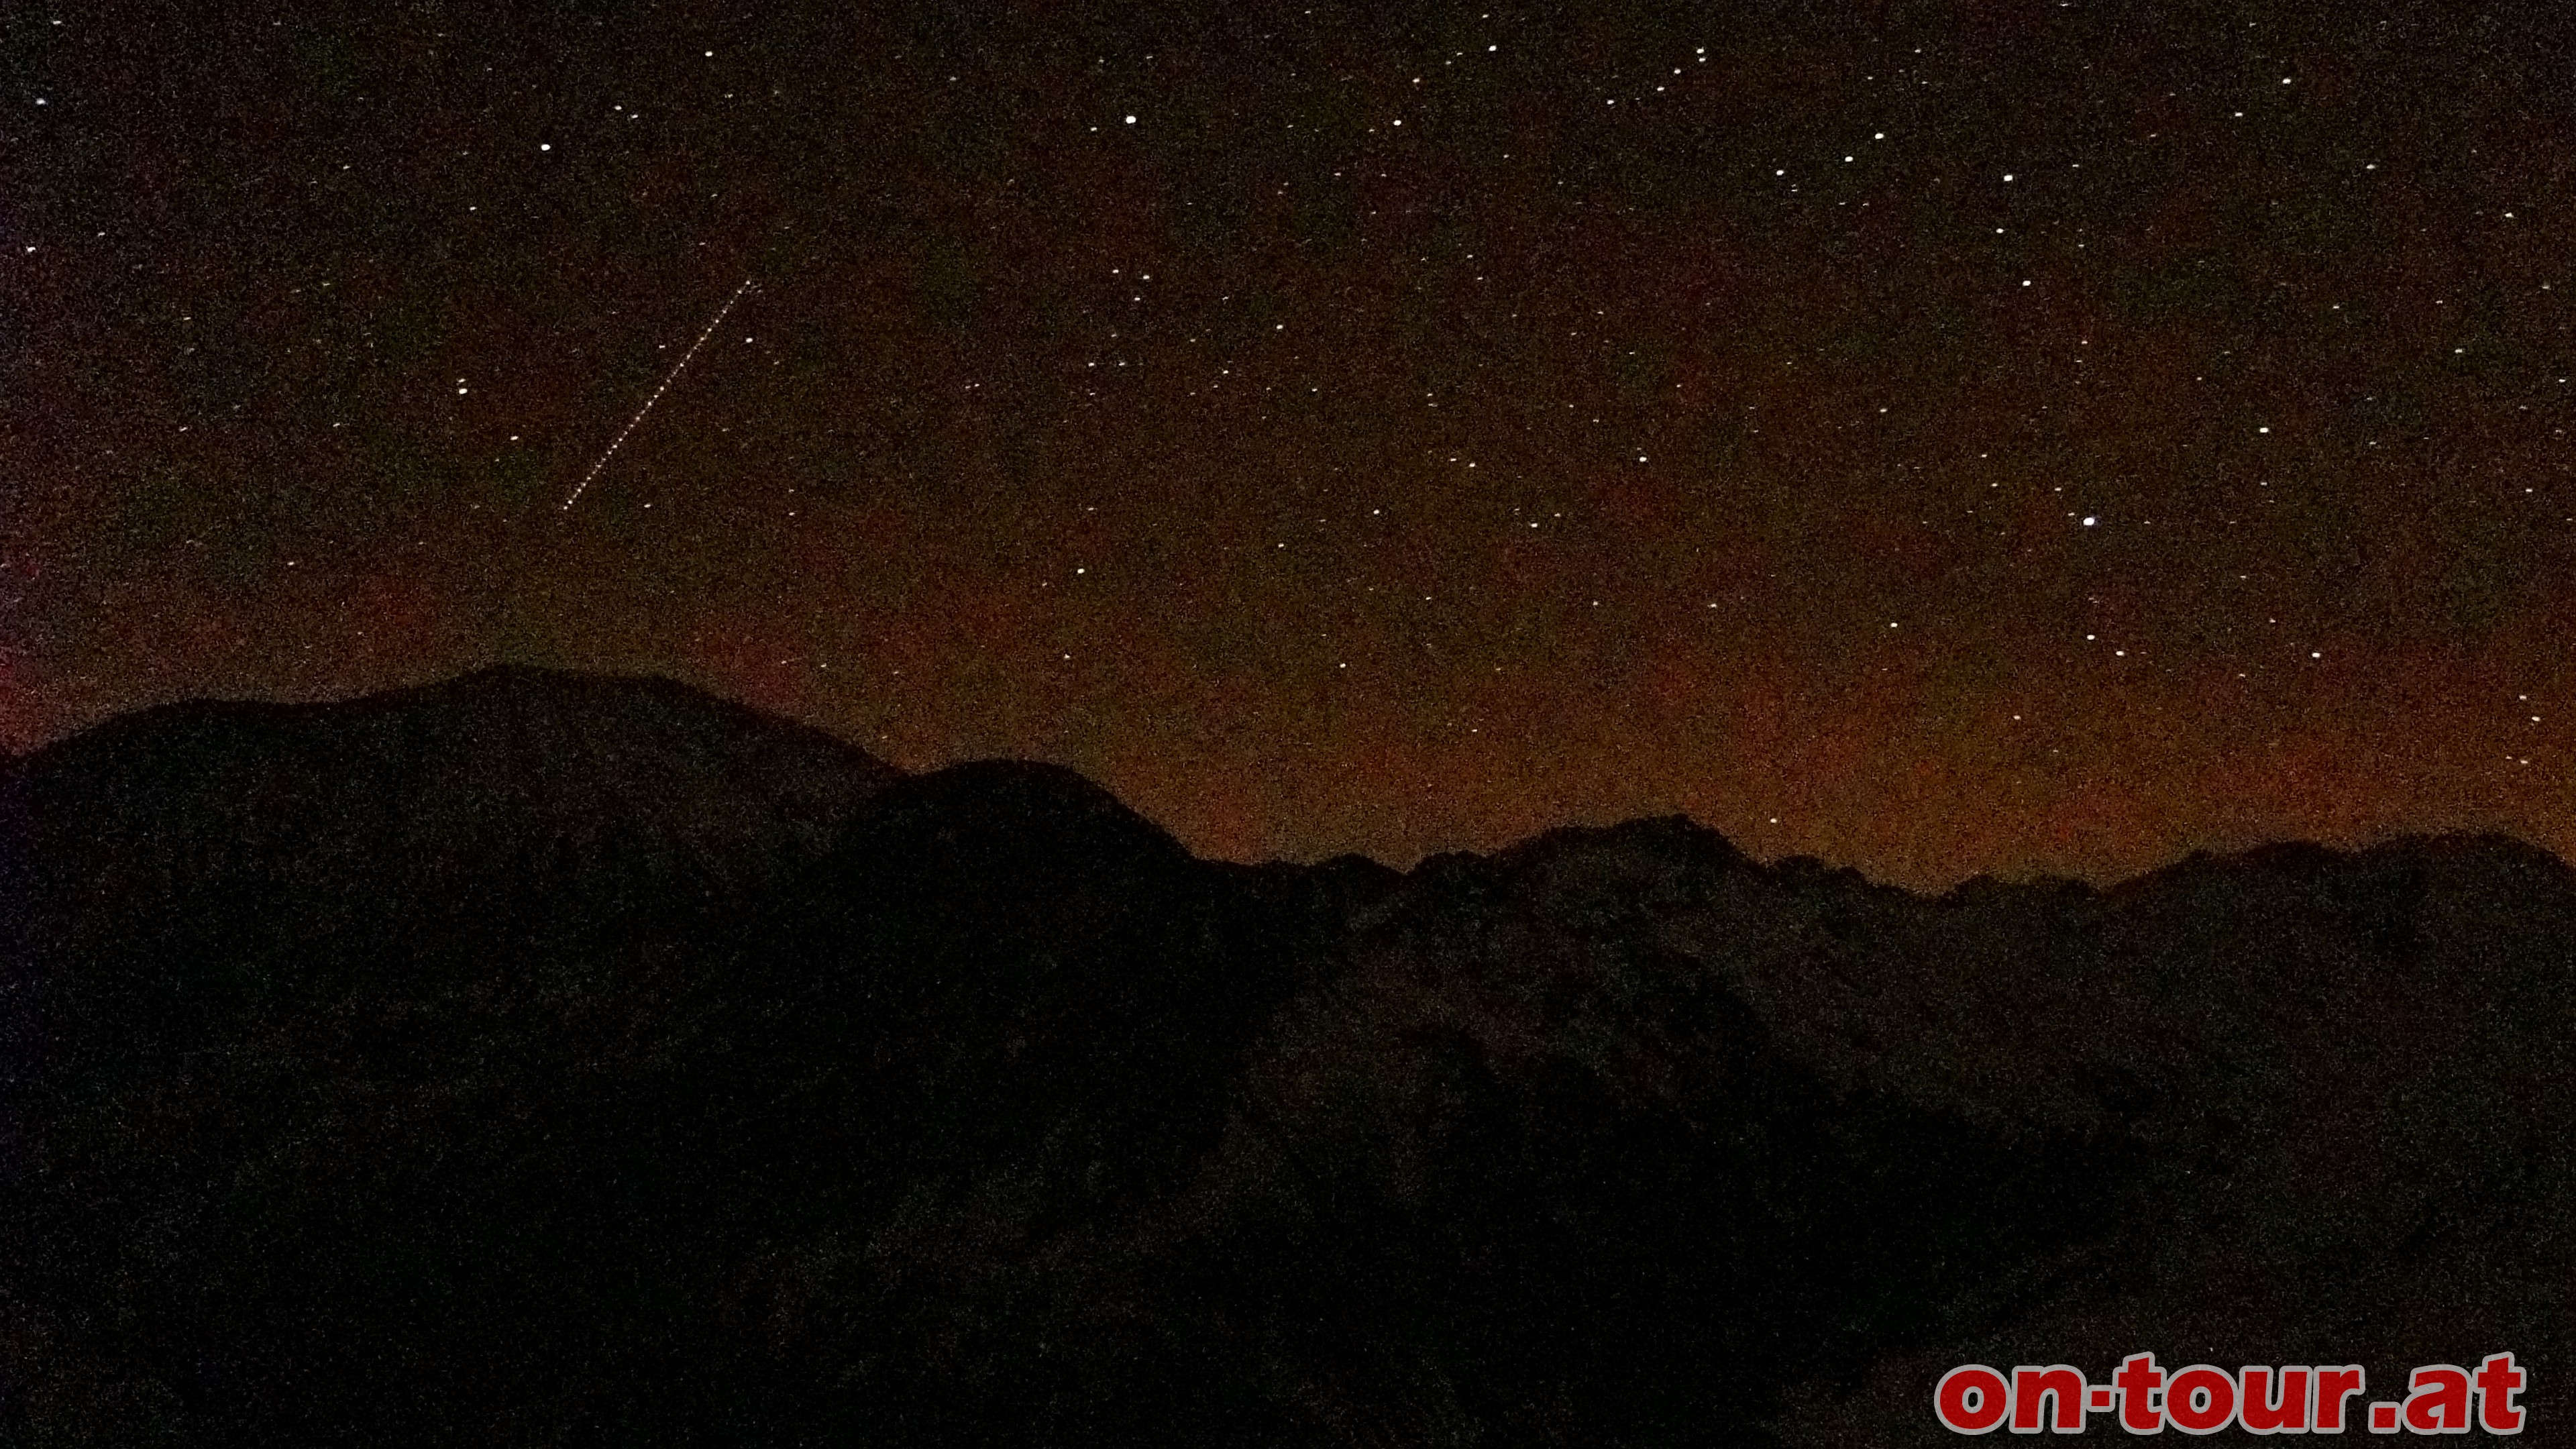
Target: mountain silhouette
554 1059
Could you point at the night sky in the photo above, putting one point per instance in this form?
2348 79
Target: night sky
1939 437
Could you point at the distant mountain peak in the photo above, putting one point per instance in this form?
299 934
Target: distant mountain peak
511 774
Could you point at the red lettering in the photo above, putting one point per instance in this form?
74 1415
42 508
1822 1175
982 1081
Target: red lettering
2498 1382
2139 1378
2200 1399
2261 1411
2062 1382
1971 1399
2203 1399
2334 1387
2437 1399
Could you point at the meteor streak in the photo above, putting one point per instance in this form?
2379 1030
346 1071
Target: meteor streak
672 376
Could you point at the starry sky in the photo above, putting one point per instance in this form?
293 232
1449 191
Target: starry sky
1945 437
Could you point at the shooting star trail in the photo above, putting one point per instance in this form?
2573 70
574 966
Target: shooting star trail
673 376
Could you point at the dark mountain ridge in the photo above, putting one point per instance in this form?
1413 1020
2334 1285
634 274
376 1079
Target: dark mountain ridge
558 1059
508 771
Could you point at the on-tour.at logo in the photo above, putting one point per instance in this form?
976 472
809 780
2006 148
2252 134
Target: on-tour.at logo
2203 1399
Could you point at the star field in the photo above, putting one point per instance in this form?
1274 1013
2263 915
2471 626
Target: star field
1940 438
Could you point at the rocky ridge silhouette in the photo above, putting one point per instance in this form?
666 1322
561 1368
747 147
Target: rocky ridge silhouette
555 1059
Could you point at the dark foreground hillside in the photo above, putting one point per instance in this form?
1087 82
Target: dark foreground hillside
544 1059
